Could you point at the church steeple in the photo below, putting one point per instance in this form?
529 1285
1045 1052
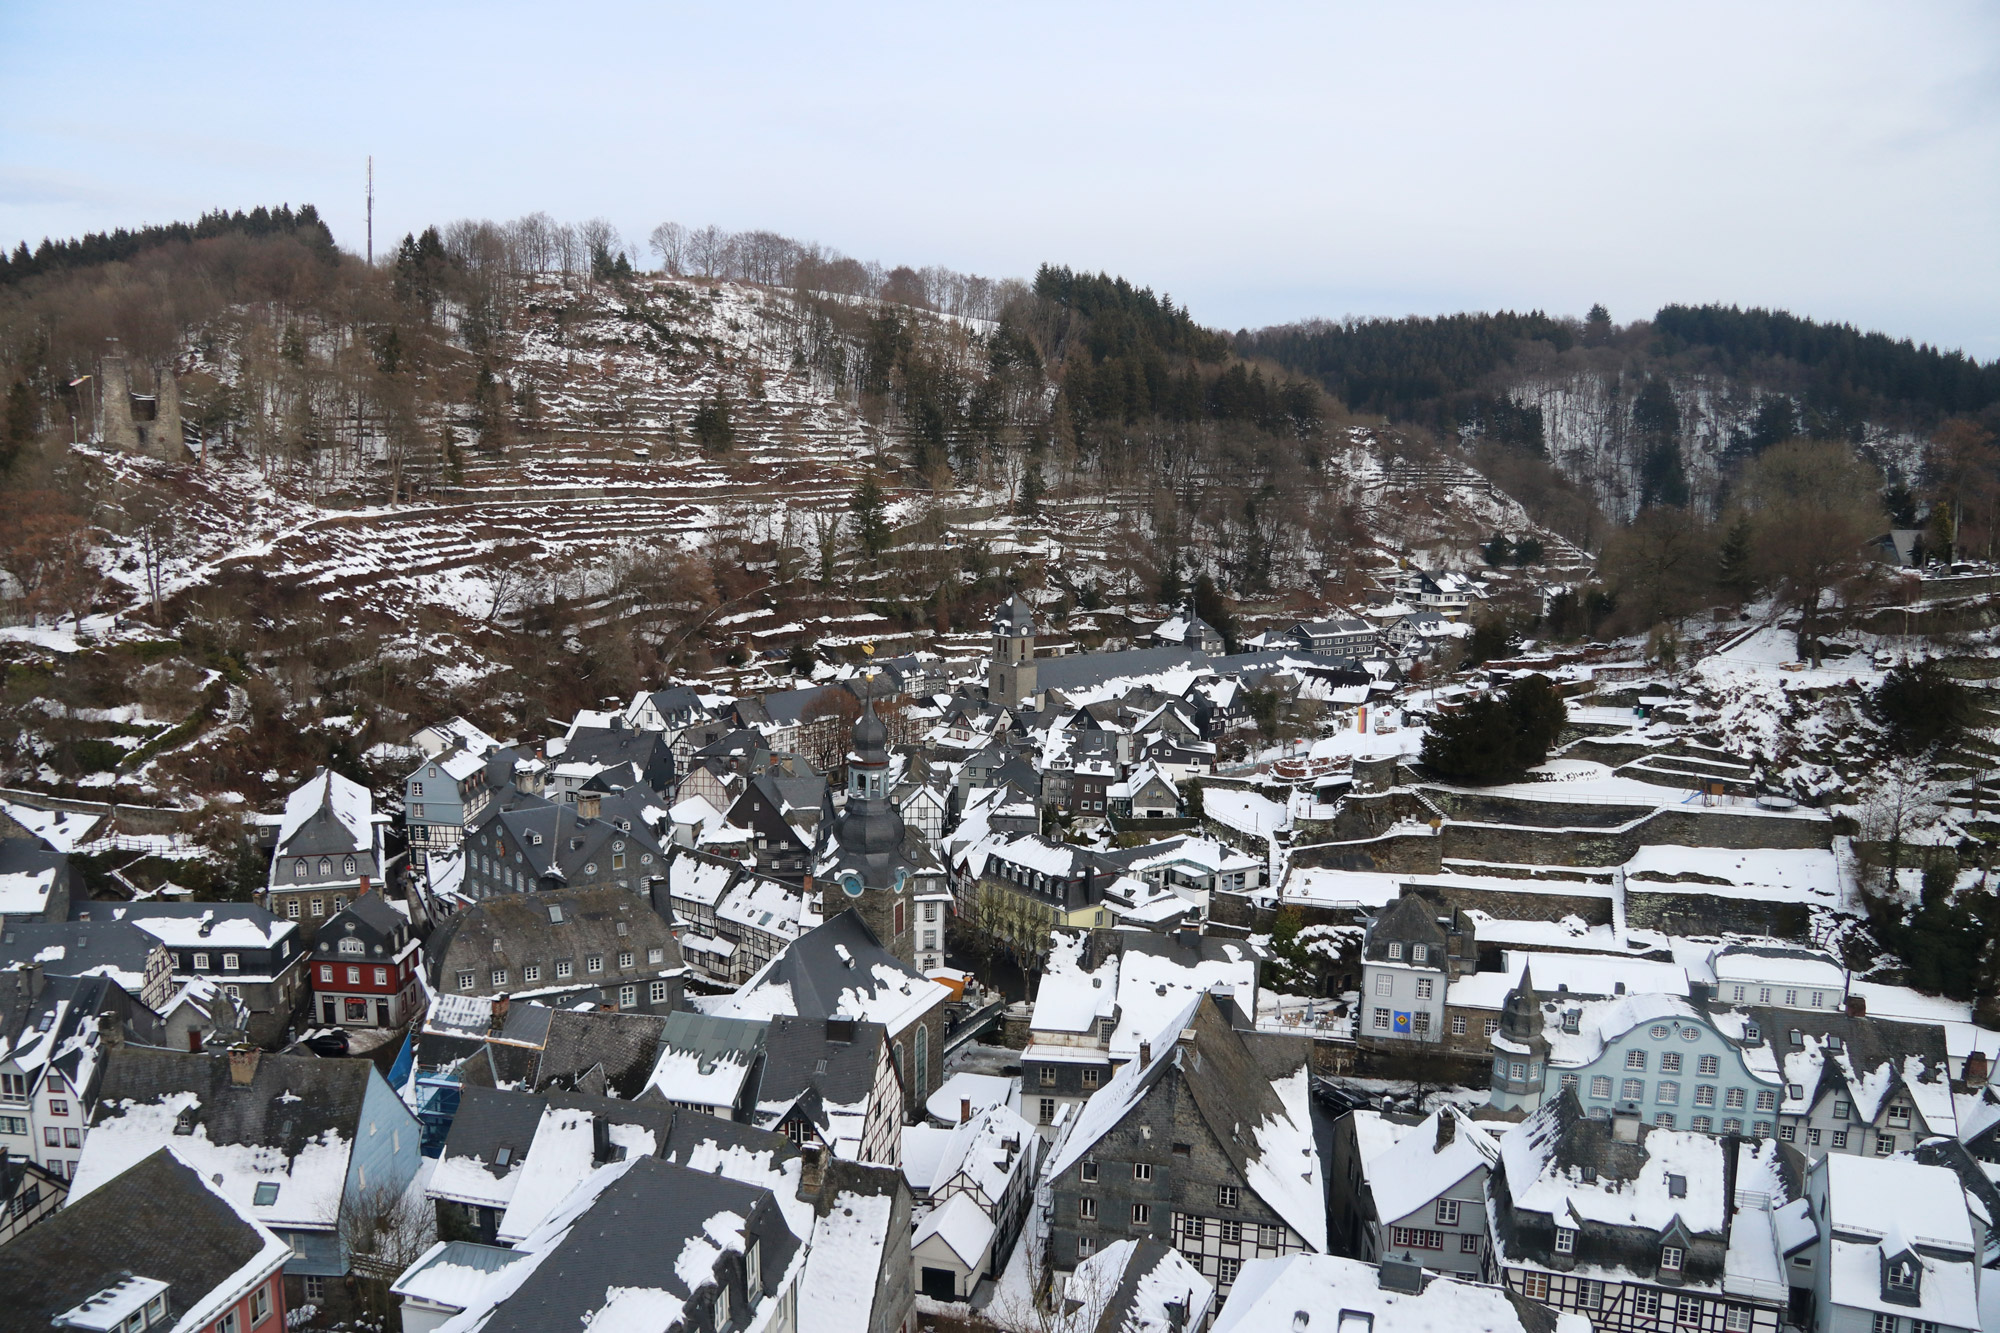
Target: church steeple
1010 675
863 863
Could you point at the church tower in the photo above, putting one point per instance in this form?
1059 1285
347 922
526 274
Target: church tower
1010 677
1520 1051
863 865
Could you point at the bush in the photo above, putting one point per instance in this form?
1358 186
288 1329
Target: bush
1498 738
1923 708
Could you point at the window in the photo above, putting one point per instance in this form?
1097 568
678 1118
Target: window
1048 1110
319 907
1670 1258
563 968
1883 1323
1789 1133
226 1324
722 1309
1415 1238
1659 1032
628 997
1884 1144
1645 1304
1670 1062
1667 1093
1142 1170
201 962
1468 1243
1381 1020
656 993
1736 1319
51 1137
499 977
1767 1099
1086 1208
1447 1212
1385 985
1840 1138
1589 1294
315 1288
655 956
1535 1286
1708 1066
1762 1129
381 976
1142 1214
1812 1138
1090 1078
1420 953
1733 1099
1421 1022
1687 1310
1704 1094
465 981
1635 1059
266 1195
1600 1086
1048 1076
1225 1196
1086 1246
1192 1228
1395 951
1732 1126
13 1124
1458 1025
1087 1172
1226 1270
354 976
292 908
1900 1116
1565 1240
753 1269
326 975
1424 985
1632 1090
624 959
593 962
1491 1026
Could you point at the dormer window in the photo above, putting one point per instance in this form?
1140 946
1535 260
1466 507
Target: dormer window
1395 950
299 868
1419 952
347 866
1565 1240
1900 1277
1671 1257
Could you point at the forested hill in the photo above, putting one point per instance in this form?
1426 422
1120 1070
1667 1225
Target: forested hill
1689 391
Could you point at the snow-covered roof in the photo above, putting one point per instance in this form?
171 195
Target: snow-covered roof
1892 1204
1270 1293
1132 1283
351 805
561 1155
25 893
1416 1169
962 1225
844 1262
981 1090
1578 973
453 1272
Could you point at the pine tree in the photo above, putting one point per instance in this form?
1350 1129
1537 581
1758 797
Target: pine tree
19 431
871 521
1733 573
713 431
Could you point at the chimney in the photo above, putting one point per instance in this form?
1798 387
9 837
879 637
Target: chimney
1186 1041
813 1170
497 1020
1625 1126
589 804
1857 1006
600 1140
1976 1069
362 892
243 1059
110 1032
964 1109
1447 1130
1145 1054
1730 1146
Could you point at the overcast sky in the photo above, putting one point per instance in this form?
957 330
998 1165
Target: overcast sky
1261 163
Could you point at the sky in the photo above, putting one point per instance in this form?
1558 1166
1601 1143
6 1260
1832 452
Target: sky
1261 163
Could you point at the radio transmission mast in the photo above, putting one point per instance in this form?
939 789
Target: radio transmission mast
371 210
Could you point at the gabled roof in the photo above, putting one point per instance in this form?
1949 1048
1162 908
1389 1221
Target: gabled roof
1129 1285
157 1219
1418 1169
329 814
838 970
115 949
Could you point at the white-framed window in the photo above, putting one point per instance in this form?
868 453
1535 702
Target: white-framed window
1385 985
1704 1094
1086 1246
1086 1171
1736 1319
1670 1258
1565 1240
628 997
1490 1026
1708 1066
1687 1310
1381 1020
381 976
1424 985
1667 1093
1645 1304
499 977
1447 1212
593 962
1535 1286
1885 1144
1883 1323
563 968
722 1310
1767 1099
201 962
1396 951
654 957
292 909
1142 1214
1600 1086
1632 1090
1086 1208
354 976
1226 1270
1670 1062
1734 1099
531 972
1142 1170
465 980
1665 1120
1420 953
1225 1196
1635 1059
656 993
1458 1025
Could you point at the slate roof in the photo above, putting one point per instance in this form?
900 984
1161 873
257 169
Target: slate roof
840 969
794 1047
632 1237
69 1039
155 1220
490 1119
77 948
650 751
290 1101
512 929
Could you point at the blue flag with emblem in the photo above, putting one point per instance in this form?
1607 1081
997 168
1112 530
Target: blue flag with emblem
1402 1023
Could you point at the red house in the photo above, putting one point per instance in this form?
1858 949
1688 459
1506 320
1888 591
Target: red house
154 1248
364 966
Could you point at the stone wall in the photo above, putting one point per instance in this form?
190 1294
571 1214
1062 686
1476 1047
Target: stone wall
1575 845
1393 853
1684 909
1517 905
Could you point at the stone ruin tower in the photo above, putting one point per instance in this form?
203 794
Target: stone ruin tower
139 423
